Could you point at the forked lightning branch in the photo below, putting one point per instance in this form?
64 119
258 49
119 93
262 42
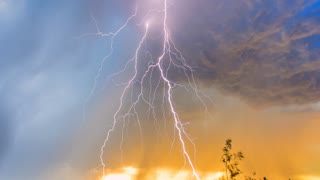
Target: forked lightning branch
171 55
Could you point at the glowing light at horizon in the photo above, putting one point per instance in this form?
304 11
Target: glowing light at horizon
127 173
214 176
130 173
308 177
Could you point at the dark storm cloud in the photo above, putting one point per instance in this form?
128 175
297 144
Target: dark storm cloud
264 51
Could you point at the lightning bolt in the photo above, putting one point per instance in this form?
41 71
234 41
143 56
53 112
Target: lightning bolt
129 83
112 36
171 55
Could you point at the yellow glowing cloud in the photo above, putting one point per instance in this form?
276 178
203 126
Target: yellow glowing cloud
309 177
129 173
173 175
214 176
166 174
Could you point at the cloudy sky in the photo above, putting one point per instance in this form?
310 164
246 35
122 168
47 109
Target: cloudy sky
255 79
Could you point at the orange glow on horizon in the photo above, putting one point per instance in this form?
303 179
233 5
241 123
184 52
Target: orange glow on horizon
129 173
309 177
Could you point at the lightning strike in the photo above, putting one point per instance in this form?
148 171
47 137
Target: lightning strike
129 83
178 124
112 36
169 54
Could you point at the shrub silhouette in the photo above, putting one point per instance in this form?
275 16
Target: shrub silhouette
231 162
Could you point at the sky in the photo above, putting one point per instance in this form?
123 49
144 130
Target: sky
255 78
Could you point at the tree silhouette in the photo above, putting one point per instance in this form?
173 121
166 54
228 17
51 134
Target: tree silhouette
231 160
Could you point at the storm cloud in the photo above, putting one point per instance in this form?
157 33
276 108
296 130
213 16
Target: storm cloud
266 52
